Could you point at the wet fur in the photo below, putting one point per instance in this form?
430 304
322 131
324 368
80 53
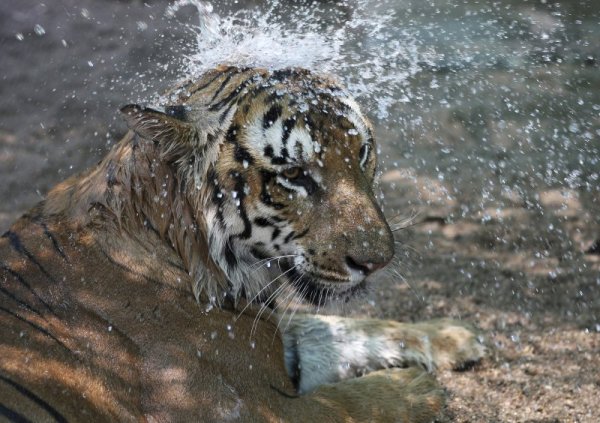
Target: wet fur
101 284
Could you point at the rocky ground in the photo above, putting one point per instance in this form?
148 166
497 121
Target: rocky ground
492 240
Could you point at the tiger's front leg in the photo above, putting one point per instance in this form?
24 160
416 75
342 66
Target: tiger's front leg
327 349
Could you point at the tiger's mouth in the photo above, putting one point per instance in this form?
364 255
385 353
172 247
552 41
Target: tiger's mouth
320 289
316 286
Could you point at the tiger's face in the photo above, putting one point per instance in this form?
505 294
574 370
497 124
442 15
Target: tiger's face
295 176
287 184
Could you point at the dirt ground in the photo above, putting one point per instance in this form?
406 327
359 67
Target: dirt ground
511 261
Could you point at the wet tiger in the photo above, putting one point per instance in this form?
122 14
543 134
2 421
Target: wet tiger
137 290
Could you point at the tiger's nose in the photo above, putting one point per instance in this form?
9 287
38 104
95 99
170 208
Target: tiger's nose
365 266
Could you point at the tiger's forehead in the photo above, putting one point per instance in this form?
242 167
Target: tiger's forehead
300 127
284 116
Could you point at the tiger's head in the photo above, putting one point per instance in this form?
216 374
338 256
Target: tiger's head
279 169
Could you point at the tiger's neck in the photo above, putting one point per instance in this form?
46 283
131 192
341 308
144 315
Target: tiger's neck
135 196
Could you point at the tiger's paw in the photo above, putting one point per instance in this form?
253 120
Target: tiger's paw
390 395
454 344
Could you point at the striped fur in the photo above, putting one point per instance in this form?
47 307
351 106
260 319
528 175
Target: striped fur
246 186
244 128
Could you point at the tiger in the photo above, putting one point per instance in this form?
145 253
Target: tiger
181 278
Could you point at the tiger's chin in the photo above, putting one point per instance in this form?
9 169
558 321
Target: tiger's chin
314 291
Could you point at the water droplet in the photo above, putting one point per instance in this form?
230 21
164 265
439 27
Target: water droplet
39 30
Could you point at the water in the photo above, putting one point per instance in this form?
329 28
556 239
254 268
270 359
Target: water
500 98
364 48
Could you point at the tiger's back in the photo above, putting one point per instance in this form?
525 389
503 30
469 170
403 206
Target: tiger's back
46 372
80 343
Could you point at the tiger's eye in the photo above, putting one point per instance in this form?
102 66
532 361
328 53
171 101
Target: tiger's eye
292 172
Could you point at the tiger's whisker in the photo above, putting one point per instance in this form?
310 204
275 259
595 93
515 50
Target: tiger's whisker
264 288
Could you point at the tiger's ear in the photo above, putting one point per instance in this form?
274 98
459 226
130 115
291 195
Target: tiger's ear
163 128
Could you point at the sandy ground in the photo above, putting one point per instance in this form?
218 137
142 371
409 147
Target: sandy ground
511 261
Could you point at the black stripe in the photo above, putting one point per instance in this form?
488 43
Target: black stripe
222 86
18 301
301 234
33 325
240 153
16 243
298 149
239 187
22 281
275 234
231 95
265 197
230 257
217 196
12 415
33 397
278 161
271 116
268 151
231 135
53 239
289 237
225 113
257 90
288 126
262 222
307 182
213 79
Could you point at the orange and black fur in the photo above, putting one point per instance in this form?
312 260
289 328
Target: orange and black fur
138 290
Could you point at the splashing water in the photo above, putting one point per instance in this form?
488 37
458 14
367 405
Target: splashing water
447 84
303 36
